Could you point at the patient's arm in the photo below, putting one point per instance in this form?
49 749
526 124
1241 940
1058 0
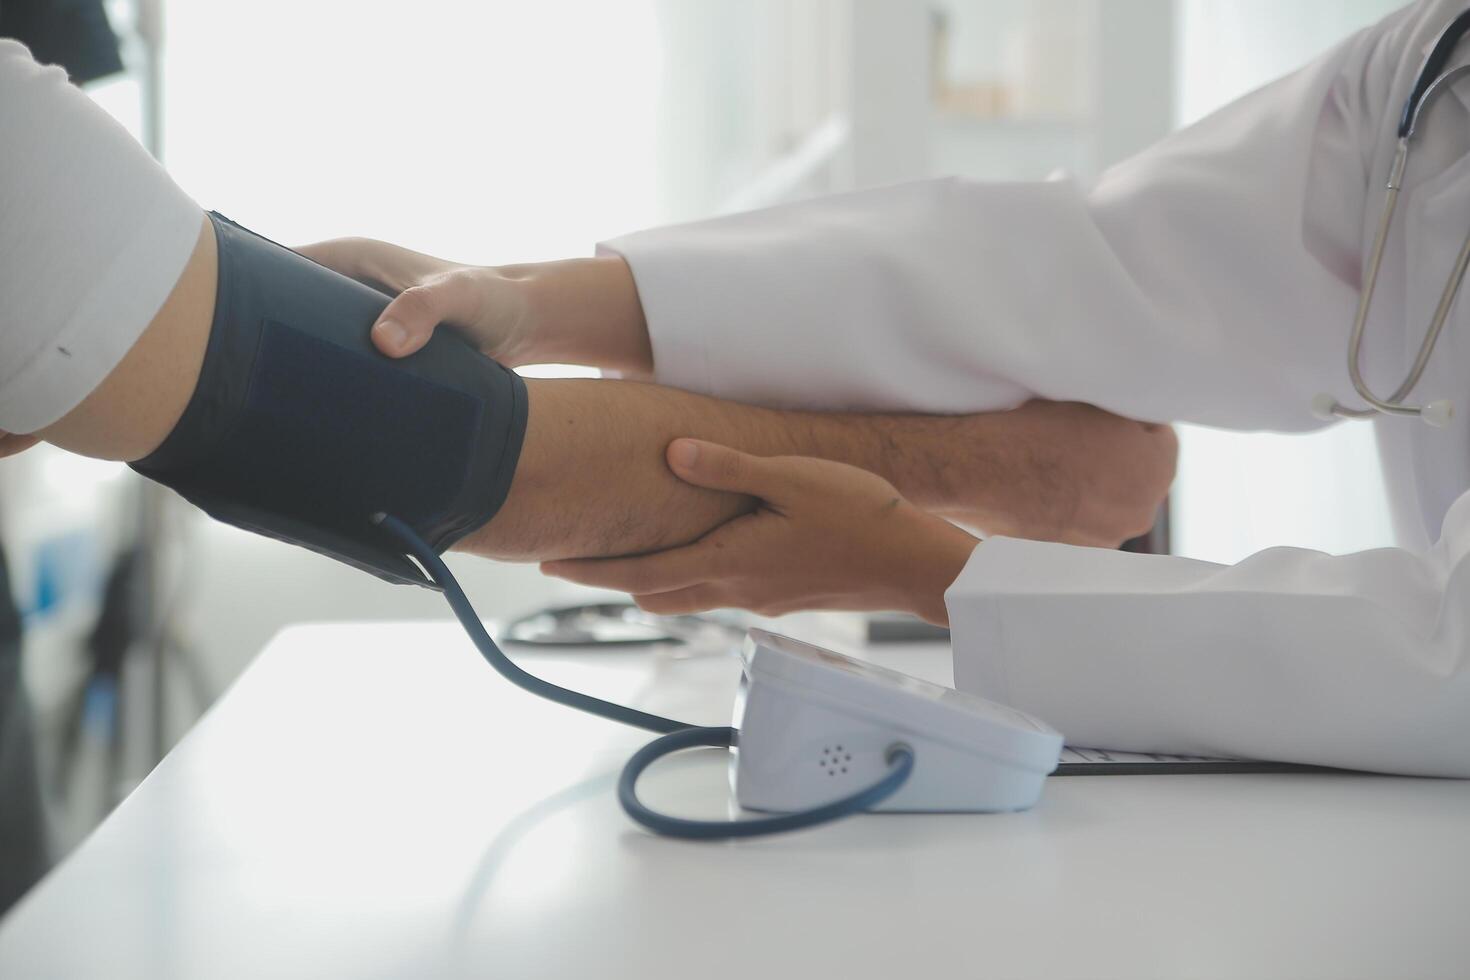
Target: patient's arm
592 478
128 415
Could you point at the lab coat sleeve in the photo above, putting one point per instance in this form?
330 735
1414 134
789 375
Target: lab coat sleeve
1356 661
1211 279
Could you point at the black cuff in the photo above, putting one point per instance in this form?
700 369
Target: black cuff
300 430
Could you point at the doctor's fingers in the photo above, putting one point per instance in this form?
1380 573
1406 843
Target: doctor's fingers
757 597
427 290
685 602
663 571
378 264
407 324
716 467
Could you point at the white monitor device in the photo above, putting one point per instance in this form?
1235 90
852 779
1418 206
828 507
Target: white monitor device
816 726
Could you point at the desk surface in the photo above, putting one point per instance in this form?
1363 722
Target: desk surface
373 801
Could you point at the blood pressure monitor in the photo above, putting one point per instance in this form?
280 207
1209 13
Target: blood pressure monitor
815 725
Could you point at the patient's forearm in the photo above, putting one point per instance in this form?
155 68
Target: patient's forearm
592 479
1048 470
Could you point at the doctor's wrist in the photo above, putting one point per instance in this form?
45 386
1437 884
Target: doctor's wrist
585 311
940 552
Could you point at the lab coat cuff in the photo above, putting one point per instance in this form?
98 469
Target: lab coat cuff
1008 589
975 601
1101 644
677 316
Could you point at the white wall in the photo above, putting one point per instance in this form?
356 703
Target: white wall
1238 493
489 131
1225 48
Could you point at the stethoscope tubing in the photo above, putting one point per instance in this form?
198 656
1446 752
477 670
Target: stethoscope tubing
1429 84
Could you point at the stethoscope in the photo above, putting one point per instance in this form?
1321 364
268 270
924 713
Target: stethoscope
1430 83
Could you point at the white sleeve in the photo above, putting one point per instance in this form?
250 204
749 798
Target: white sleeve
1211 279
1357 661
93 237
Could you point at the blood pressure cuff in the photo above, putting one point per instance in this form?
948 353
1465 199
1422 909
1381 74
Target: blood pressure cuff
300 430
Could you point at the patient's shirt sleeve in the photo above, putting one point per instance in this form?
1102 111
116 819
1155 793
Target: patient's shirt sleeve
93 237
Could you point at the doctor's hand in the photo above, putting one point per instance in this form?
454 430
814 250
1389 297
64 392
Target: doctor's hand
825 536
577 311
488 308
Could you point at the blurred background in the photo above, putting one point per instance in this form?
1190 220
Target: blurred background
493 131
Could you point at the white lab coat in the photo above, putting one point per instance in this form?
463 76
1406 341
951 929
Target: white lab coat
1210 279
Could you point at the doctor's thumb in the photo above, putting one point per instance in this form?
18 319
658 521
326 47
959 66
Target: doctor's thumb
409 320
716 467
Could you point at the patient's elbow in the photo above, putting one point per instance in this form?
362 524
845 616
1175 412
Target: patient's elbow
1124 494
1158 462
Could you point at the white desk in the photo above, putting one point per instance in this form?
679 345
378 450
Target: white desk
373 801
